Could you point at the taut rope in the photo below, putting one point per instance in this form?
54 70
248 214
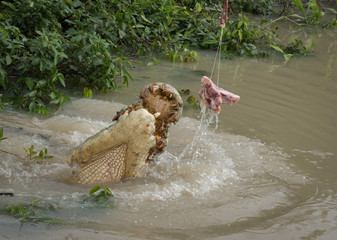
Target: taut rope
217 58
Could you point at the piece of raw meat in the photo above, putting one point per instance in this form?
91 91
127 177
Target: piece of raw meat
212 96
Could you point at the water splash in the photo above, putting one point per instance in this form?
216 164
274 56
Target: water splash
202 166
207 118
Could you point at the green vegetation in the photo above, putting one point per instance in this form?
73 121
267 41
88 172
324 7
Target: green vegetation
99 196
263 7
31 213
190 99
1 103
295 48
87 92
2 135
39 157
49 46
332 22
311 14
184 55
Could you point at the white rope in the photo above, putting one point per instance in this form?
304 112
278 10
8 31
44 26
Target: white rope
217 58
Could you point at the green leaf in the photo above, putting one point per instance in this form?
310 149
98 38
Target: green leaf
240 24
210 42
41 83
298 16
2 78
277 48
139 26
189 32
299 5
61 79
94 189
31 106
145 19
263 21
31 94
27 211
1 135
76 3
8 60
197 7
9 5
52 95
333 10
122 34
287 57
30 83
240 35
87 92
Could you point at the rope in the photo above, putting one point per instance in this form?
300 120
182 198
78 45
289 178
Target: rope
217 58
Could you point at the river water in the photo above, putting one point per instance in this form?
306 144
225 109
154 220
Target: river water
266 170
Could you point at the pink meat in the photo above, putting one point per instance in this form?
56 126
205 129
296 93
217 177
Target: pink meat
212 96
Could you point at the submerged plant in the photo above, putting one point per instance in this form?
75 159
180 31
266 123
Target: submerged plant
263 7
2 135
311 14
190 98
31 213
87 92
1 103
182 53
99 196
332 22
243 38
291 49
31 154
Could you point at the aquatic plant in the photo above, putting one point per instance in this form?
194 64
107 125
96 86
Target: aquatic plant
99 196
43 154
152 62
31 213
264 7
311 14
190 98
1 103
244 38
87 92
332 22
292 49
2 135
181 53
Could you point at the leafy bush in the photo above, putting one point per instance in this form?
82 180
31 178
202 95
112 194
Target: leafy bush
49 45
243 37
46 45
263 7
310 13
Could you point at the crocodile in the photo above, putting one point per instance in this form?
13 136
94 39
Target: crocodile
138 133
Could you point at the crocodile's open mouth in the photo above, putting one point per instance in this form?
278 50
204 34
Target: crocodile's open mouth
139 132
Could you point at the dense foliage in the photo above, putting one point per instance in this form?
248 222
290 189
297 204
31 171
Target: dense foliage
48 45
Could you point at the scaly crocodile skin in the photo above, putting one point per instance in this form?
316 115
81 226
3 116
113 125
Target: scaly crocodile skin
140 131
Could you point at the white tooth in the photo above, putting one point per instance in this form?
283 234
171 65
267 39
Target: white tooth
156 115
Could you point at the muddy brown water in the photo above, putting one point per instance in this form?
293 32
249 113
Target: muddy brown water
268 171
